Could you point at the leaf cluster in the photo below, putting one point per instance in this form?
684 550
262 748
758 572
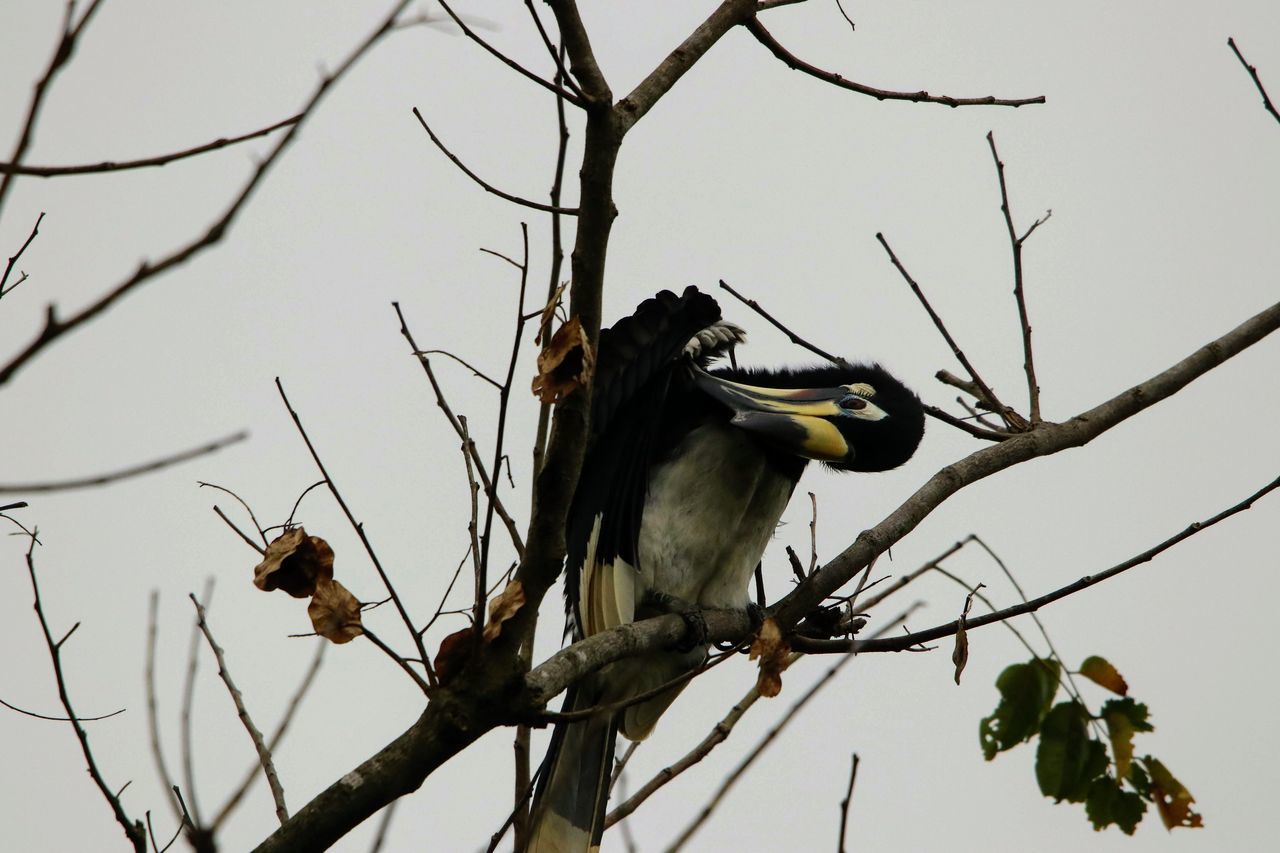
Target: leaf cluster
1073 760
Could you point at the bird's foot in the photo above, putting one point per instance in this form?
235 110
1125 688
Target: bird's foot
696 631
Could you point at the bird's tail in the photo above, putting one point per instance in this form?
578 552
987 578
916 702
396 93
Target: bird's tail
568 808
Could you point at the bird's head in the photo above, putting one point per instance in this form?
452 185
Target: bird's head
856 417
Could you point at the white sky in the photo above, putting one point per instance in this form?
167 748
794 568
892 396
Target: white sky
1154 152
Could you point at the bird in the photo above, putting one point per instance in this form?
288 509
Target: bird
688 469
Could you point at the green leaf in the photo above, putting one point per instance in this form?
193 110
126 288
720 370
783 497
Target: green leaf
1124 718
1068 759
1108 804
1026 692
1100 671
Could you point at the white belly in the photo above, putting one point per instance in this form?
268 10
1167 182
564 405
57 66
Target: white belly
706 524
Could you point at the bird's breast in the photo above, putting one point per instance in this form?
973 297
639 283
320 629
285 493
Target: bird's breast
710 509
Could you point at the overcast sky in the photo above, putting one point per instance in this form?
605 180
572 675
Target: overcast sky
1153 151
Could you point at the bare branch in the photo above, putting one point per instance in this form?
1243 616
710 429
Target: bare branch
146 162
896 644
766 38
124 473
853 772
13 259
986 396
359 529
290 711
557 55
400 661
55 327
1253 72
188 703
582 59
264 754
153 716
506 60
62 54
1015 246
791 336
488 187
133 829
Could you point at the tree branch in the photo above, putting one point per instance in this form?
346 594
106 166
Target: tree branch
55 327
143 163
1253 72
124 473
763 36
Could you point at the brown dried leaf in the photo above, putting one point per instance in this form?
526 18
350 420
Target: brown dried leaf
1173 800
455 651
565 365
295 563
502 608
549 312
773 652
960 655
335 612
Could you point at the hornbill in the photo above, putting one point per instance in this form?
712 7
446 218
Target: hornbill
687 472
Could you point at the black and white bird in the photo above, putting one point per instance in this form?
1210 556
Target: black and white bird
687 473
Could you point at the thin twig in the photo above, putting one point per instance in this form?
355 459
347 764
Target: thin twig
383 825
359 529
400 661
791 336
987 396
53 719
123 473
290 711
740 770
562 77
289 521
261 532
848 794
153 714
188 703
62 54
133 829
479 374
485 185
13 259
473 533
506 60
1253 72
264 754
146 162
443 404
899 643
1015 246
766 38
248 541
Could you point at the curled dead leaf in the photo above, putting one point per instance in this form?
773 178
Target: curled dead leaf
565 365
334 612
774 653
295 563
502 608
960 655
549 312
455 650
1100 671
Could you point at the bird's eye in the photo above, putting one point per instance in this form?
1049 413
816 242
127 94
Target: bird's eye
853 401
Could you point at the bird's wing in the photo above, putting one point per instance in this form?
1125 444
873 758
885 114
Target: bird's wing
634 365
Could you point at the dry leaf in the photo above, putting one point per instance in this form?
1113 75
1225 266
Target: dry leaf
549 312
455 651
960 655
1100 671
773 652
502 608
1172 799
334 612
295 563
565 365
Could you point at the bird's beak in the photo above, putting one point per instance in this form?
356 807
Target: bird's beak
799 420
